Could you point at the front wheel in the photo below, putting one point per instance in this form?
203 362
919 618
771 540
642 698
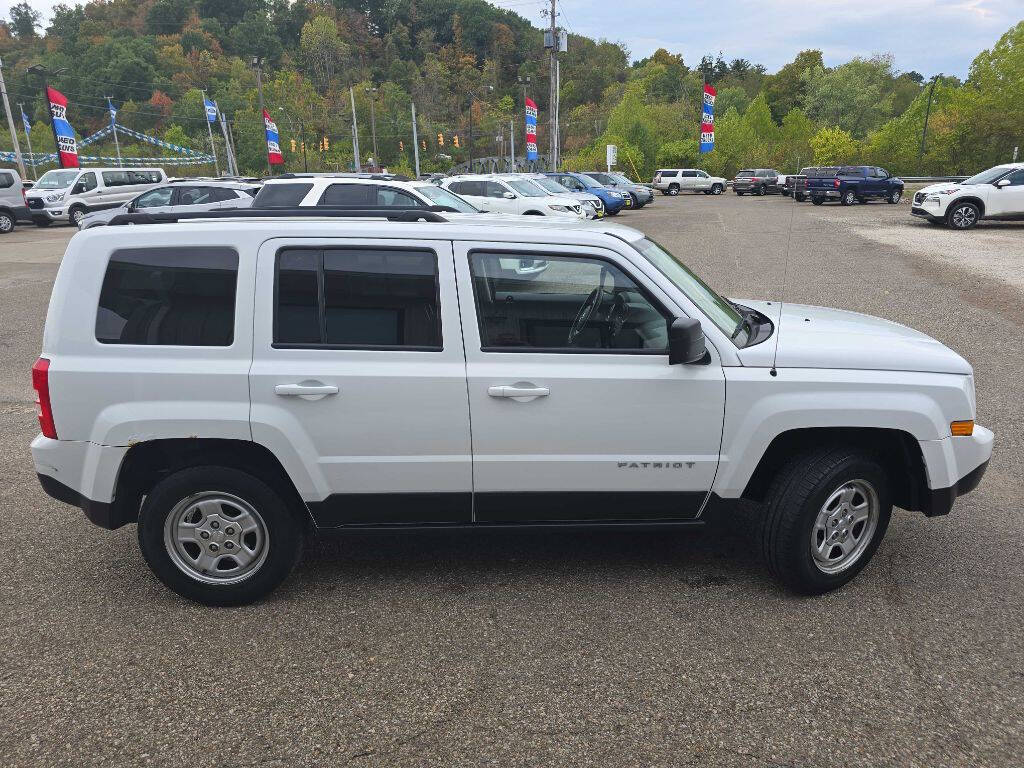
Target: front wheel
218 535
76 214
963 215
894 197
716 189
825 515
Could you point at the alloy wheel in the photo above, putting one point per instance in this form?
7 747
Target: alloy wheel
844 526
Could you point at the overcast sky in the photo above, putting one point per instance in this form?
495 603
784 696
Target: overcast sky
929 36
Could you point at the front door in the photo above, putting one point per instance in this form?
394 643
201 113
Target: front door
576 413
1007 200
358 379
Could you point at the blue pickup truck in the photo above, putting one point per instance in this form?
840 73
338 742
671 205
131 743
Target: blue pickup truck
851 184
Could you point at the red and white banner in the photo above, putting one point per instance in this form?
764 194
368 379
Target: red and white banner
63 134
273 140
531 129
707 121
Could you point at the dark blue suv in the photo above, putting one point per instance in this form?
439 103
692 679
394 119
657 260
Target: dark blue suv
580 182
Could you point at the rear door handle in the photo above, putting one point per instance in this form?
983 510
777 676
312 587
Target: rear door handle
505 390
305 390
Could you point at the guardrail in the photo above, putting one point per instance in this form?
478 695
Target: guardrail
932 179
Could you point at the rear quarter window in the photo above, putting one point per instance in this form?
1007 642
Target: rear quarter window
281 195
169 297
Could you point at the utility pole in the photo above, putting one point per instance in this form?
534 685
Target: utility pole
232 163
257 63
553 95
415 141
10 122
209 130
512 144
32 155
113 128
927 112
355 132
373 123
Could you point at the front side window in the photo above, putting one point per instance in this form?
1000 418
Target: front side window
155 198
494 189
87 182
577 304
389 197
194 195
357 298
441 196
169 296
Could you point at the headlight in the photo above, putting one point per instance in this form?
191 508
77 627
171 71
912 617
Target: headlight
932 199
560 208
55 197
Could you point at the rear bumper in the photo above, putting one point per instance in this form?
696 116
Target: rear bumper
99 512
80 473
21 213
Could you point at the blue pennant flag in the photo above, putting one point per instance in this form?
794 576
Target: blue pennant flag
113 111
211 110
24 120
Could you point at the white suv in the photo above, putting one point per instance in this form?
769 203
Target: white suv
672 181
494 193
997 193
232 383
356 190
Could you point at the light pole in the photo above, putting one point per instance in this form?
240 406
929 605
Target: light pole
257 64
927 113
372 91
10 124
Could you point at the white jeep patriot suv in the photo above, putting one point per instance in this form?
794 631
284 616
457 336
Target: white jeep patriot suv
233 382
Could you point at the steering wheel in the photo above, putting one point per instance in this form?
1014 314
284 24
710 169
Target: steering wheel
618 313
588 309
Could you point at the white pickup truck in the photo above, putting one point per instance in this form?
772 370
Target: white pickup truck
997 193
233 383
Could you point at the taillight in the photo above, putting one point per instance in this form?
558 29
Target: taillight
24 197
41 384
835 183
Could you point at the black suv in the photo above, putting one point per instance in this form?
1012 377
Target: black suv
756 181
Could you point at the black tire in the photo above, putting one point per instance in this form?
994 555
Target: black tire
636 202
894 197
706 191
43 223
792 506
963 216
799 198
673 190
762 190
284 534
849 197
716 189
817 200
6 222
738 193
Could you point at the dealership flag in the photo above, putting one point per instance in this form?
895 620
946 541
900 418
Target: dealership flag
113 111
63 135
24 119
273 140
531 130
211 110
707 120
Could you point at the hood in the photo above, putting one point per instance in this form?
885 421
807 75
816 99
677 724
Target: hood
568 200
818 337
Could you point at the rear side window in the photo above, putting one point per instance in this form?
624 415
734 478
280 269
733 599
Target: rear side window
355 195
357 298
281 195
143 177
169 296
6 180
115 178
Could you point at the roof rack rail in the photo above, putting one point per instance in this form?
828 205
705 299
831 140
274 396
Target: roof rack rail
430 214
340 175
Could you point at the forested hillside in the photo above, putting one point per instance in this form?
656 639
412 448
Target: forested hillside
152 57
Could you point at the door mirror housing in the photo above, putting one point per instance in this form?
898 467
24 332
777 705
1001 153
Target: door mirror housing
686 343
1003 183
509 196
79 188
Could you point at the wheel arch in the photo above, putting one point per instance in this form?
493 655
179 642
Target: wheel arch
967 199
896 450
146 463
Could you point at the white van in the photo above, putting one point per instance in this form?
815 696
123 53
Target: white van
68 194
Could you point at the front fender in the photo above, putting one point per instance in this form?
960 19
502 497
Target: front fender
760 407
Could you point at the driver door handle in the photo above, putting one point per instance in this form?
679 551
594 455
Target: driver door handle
298 390
505 390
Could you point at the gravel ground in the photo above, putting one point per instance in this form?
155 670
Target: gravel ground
553 648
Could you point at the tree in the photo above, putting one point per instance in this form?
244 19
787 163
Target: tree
24 20
834 146
322 50
856 96
65 23
166 17
785 90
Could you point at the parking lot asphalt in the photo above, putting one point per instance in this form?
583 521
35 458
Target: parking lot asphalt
553 648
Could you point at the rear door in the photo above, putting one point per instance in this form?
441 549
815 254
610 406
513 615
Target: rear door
358 378
581 420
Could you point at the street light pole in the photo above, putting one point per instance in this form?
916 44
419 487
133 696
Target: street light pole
257 63
373 122
10 123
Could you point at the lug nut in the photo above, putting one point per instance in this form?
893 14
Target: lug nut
215 525
214 547
229 530
204 534
229 545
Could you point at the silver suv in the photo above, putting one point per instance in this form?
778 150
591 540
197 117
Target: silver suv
13 206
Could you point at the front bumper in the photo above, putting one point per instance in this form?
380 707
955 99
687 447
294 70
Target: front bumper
48 214
955 466
939 501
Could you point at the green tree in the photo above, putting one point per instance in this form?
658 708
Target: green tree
786 89
24 20
834 146
855 96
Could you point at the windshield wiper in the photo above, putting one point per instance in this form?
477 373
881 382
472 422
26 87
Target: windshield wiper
744 323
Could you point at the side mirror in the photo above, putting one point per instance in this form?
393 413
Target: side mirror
509 196
79 189
1003 183
686 344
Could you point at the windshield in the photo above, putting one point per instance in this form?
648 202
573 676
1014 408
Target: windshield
620 178
604 178
590 181
56 179
551 186
441 196
985 177
720 311
526 188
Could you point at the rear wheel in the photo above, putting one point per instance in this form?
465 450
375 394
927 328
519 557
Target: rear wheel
799 198
817 200
762 190
218 536
825 515
849 197
673 190
6 222
42 222
963 215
